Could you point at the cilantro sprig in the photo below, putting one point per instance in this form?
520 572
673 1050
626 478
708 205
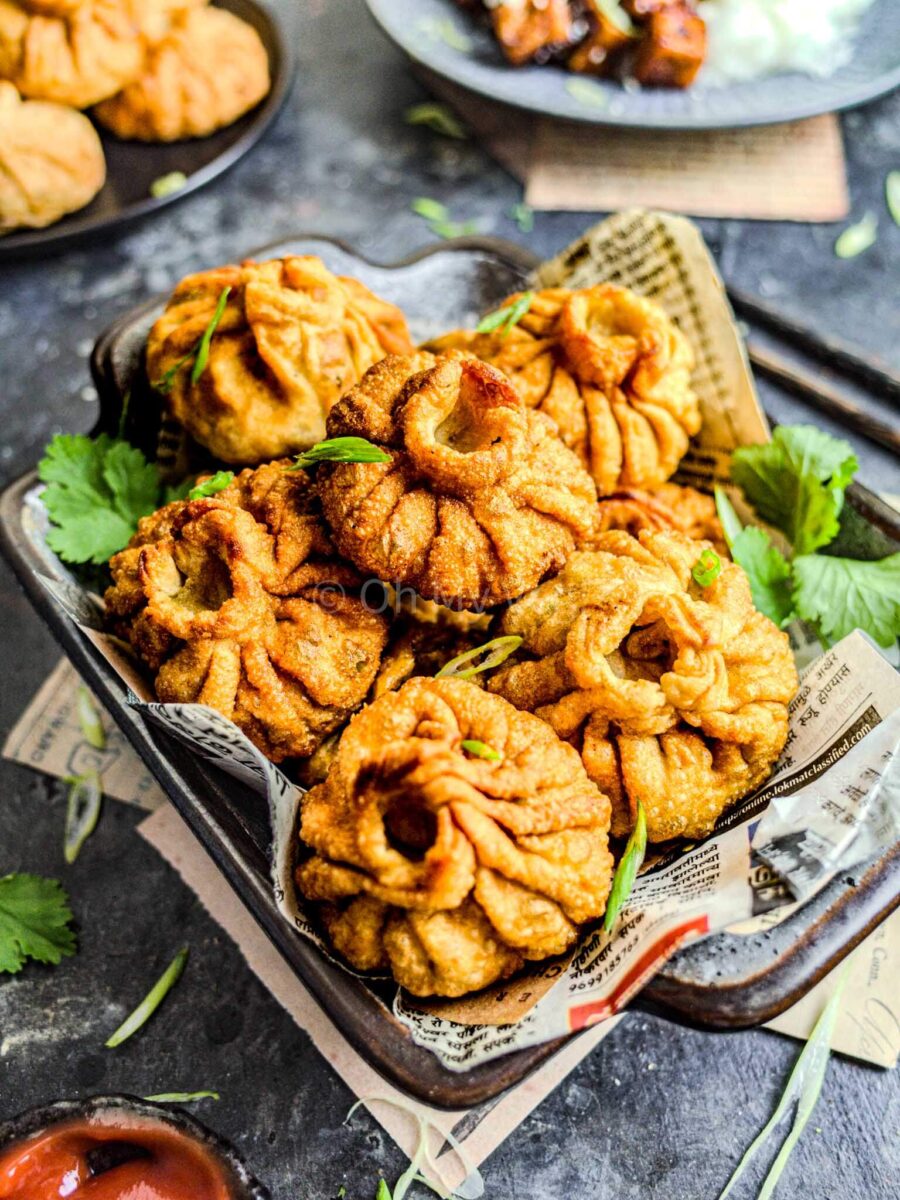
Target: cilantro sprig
797 484
35 922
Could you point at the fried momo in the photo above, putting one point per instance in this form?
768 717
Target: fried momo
292 340
237 601
612 371
208 70
668 506
51 161
450 869
76 54
480 499
675 694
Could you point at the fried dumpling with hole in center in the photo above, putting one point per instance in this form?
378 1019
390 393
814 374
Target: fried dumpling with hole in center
452 869
610 368
480 499
238 601
75 54
51 161
676 694
292 340
207 71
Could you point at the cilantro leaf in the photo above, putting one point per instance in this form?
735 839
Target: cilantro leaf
34 922
97 490
843 594
768 571
797 482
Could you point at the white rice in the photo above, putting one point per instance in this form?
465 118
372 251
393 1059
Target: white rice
752 38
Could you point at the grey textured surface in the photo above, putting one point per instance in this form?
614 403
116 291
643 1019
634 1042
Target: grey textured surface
657 1110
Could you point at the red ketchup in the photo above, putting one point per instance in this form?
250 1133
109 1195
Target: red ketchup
111 1157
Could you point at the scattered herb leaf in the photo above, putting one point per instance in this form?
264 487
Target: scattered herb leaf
892 195
857 238
151 1001
439 221
585 91
627 869
503 319
34 922
341 1192
341 449
97 490
203 347
804 1085
523 215
843 594
797 482
431 210
82 811
731 523
769 574
166 185
182 1097
497 651
443 29
437 117
209 487
89 719
383 1192
707 568
480 750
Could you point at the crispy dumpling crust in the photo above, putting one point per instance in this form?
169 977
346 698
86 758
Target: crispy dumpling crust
453 870
207 71
292 340
612 371
480 499
51 161
237 601
667 507
676 694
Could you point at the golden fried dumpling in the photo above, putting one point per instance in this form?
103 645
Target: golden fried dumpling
208 70
449 868
480 499
292 340
675 693
158 16
668 506
610 368
51 161
75 54
237 601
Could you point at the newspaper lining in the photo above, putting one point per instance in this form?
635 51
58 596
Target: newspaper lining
699 889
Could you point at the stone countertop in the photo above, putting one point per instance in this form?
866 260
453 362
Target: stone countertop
657 1109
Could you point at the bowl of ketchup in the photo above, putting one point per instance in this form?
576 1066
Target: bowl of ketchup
118 1148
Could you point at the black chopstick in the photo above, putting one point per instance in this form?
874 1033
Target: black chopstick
828 351
821 394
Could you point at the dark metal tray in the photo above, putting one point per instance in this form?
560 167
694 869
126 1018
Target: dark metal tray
723 981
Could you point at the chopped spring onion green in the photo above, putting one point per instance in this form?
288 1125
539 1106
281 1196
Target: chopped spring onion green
505 318
892 195
181 1097
438 217
166 185
341 449
804 1085
383 1192
445 30
82 812
731 522
497 650
626 871
437 117
480 750
585 91
151 1001
707 568
523 215
203 349
431 210
89 719
209 487
857 238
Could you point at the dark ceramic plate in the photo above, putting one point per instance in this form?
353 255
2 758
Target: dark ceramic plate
36 1120
416 25
131 167
723 981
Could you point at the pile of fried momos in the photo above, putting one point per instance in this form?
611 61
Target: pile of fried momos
480 624
148 70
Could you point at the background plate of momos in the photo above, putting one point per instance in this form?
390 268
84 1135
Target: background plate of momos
149 116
